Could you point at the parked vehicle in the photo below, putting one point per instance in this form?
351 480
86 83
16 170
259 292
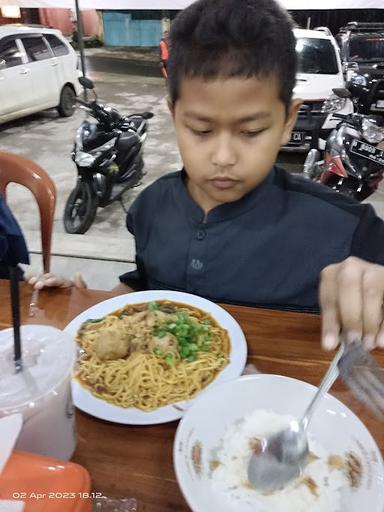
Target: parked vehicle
362 52
353 160
108 155
319 72
38 70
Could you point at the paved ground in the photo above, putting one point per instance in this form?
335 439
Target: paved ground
139 62
107 248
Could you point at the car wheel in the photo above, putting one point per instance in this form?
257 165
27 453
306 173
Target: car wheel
66 107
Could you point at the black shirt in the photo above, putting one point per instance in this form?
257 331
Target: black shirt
13 249
267 249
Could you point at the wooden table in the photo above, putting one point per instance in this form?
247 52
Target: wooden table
131 461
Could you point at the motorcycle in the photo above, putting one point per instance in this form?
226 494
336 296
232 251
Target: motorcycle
108 155
353 159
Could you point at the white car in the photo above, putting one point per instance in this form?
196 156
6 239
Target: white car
320 71
38 70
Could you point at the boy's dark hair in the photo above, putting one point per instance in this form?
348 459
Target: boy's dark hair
233 38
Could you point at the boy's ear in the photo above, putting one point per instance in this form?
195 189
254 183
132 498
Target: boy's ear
291 120
171 106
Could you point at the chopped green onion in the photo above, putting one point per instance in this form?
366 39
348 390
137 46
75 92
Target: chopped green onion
169 358
191 336
93 320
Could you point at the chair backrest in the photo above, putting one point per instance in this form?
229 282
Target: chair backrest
18 169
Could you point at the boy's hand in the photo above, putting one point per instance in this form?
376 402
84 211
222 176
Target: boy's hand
53 281
351 302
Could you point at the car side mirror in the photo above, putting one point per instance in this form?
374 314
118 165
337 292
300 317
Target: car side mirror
3 64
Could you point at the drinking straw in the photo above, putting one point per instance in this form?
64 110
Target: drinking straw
15 304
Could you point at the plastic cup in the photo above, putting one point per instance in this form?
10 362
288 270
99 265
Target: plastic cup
41 392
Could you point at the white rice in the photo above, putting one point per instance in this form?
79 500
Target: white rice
230 476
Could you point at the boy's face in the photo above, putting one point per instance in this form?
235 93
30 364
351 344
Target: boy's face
229 132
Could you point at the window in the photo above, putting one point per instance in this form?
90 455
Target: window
368 48
9 52
36 48
58 47
316 56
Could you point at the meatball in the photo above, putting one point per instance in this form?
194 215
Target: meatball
112 343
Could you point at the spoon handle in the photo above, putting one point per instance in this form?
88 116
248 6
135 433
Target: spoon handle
326 384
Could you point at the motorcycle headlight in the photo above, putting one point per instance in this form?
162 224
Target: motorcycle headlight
359 80
84 159
333 104
371 132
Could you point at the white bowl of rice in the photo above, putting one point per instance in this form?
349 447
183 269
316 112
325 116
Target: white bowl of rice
214 442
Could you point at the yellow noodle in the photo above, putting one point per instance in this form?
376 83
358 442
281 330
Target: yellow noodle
145 380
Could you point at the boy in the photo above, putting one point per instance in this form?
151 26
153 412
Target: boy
230 226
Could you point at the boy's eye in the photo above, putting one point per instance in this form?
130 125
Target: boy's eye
200 133
252 133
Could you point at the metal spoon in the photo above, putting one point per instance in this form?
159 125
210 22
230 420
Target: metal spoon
281 457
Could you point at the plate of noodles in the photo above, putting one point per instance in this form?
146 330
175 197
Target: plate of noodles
144 356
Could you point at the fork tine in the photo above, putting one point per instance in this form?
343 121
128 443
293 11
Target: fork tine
354 354
367 388
352 382
362 395
373 386
360 371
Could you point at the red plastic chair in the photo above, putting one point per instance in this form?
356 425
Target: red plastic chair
17 169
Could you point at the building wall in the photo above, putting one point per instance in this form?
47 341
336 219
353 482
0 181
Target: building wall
57 18
62 19
6 21
132 28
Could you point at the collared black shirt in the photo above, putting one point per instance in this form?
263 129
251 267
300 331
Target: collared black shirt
267 249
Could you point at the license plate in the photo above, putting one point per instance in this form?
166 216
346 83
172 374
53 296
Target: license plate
380 104
297 137
367 151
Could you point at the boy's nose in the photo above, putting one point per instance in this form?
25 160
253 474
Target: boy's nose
223 154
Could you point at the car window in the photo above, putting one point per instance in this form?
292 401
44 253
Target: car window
316 56
36 48
367 48
10 53
58 47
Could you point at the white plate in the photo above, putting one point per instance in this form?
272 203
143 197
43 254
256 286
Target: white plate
333 426
88 403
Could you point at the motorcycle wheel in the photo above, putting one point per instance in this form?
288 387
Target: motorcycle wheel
80 209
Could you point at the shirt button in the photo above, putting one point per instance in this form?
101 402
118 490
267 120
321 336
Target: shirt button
197 264
201 234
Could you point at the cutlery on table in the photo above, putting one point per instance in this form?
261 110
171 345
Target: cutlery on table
281 457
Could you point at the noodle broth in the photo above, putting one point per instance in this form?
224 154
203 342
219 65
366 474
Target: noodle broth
151 354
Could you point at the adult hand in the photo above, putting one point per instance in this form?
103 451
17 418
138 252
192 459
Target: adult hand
351 303
53 281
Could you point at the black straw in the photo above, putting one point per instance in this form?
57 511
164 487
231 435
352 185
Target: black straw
15 303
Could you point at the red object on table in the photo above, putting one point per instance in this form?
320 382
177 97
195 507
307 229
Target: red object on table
46 484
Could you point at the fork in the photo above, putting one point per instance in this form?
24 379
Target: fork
363 376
